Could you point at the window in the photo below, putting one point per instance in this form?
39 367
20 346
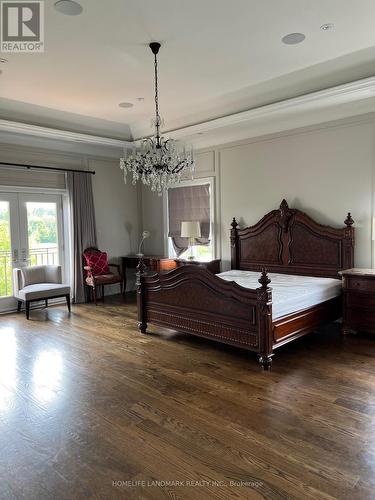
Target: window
191 201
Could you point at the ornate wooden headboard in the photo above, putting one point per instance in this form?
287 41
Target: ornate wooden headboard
289 241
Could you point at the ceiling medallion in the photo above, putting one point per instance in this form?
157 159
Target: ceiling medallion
158 162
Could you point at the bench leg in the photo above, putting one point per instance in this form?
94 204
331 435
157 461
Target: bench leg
68 301
27 309
19 305
46 302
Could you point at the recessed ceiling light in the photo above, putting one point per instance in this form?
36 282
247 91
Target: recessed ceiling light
68 7
327 26
140 99
293 38
126 105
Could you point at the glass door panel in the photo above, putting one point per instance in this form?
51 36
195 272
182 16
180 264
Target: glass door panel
41 229
9 246
5 251
42 232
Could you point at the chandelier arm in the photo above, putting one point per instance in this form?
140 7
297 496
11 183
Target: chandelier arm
180 166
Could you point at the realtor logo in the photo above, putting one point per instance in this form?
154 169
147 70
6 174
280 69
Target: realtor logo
22 26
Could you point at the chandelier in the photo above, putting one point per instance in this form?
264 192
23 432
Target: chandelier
158 162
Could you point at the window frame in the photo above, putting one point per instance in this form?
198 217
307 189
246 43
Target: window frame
168 248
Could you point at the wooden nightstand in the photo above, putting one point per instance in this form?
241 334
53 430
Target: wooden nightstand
211 265
153 263
359 300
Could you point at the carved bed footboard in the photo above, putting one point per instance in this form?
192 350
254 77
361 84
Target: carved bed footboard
193 300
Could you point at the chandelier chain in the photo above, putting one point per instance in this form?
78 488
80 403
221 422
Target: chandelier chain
157 99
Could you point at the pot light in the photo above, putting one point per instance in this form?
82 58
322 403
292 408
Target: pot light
327 26
293 38
68 7
126 105
140 99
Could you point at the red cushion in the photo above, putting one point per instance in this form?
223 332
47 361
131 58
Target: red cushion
98 261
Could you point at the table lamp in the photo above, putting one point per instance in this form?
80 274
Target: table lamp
191 229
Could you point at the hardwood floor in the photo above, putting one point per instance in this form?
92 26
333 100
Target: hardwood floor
90 408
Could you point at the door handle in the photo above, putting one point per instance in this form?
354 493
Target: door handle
24 255
15 255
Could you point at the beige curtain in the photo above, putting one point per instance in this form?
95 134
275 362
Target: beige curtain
83 226
189 203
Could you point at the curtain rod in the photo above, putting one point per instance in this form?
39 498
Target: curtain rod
7 164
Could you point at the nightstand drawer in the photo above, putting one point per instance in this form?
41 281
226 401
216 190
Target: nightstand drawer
360 284
360 300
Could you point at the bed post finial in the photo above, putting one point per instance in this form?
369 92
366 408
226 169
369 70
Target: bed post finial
349 220
284 205
234 261
234 223
141 267
264 279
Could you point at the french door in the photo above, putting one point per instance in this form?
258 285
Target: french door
31 233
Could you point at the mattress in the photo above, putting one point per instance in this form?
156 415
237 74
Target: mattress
290 293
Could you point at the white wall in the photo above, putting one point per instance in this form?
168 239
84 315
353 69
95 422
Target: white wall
326 171
152 220
115 208
116 204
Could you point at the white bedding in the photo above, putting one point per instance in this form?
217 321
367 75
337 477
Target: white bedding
290 293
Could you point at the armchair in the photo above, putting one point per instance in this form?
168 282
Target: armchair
35 283
98 272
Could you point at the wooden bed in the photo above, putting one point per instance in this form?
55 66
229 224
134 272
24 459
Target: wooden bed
193 300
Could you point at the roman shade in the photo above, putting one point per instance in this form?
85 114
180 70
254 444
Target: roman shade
189 203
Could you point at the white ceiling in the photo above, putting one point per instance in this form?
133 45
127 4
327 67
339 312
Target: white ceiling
218 57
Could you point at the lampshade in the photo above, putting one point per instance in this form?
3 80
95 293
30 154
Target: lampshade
190 229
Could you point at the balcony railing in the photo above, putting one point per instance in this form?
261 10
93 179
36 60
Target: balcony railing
5 273
37 256
43 256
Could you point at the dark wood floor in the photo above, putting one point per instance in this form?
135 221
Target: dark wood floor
88 404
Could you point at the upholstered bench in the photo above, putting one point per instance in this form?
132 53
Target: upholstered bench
35 283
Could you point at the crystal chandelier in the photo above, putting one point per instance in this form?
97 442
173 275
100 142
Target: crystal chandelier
158 162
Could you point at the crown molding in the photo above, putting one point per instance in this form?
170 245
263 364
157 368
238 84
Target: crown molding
322 99
62 135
